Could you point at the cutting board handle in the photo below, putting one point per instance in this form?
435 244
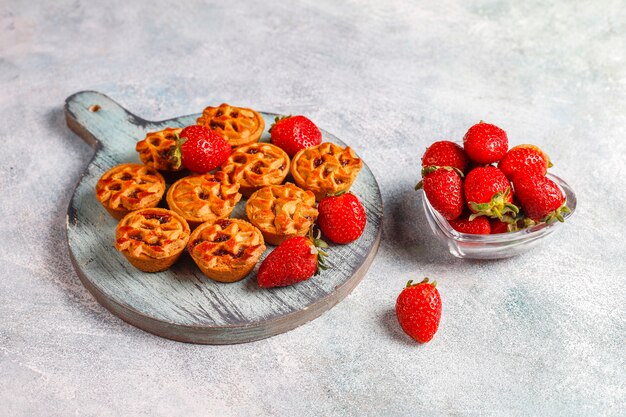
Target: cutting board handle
98 119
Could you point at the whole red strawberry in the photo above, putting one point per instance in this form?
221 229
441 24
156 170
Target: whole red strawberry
296 259
293 133
485 143
444 189
528 159
445 153
341 217
540 197
200 149
488 193
478 226
418 309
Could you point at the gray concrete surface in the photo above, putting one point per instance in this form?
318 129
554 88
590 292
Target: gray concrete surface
540 334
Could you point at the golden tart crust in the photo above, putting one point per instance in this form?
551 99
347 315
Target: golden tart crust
238 125
226 250
257 165
157 149
202 198
325 169
152 239
281 212
128 187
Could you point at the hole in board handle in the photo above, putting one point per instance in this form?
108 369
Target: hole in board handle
94 108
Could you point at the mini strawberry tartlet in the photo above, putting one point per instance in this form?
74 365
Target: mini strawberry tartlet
128 187
152 239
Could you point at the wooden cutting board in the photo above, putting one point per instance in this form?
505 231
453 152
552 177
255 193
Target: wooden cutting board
181 303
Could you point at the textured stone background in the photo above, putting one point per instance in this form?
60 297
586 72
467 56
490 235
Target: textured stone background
543 333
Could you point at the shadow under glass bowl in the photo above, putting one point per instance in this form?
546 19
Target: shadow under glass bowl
502 245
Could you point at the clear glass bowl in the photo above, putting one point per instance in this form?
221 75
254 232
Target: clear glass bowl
502 245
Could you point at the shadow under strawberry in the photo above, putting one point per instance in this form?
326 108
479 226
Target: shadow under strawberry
389 322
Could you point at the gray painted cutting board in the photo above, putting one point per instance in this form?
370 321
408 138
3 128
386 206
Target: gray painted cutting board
181 303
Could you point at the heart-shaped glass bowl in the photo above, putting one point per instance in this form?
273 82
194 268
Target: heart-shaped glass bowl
502 245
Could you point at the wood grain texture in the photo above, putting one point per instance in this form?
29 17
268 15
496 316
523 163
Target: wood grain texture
181 303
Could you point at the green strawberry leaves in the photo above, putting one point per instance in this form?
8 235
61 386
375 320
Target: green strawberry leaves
557 215
410 284
175 153
277 119
496 208
318 249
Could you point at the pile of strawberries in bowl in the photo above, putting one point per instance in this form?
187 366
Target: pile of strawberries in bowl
484 188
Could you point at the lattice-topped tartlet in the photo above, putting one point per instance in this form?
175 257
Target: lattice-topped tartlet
325 169
226 250
238 125
157 150
201 198
281 212
257 165
152 239
128 187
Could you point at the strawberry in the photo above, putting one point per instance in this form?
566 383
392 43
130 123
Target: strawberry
296 259
444 189
488 193
418 309
200 149
478 226
485 143
498 226
524 158
445 153
293 133
341 217
540 197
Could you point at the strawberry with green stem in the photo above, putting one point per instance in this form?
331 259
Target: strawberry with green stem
200 149
443 187
540 197
295 260
418 309
293 133
488 193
